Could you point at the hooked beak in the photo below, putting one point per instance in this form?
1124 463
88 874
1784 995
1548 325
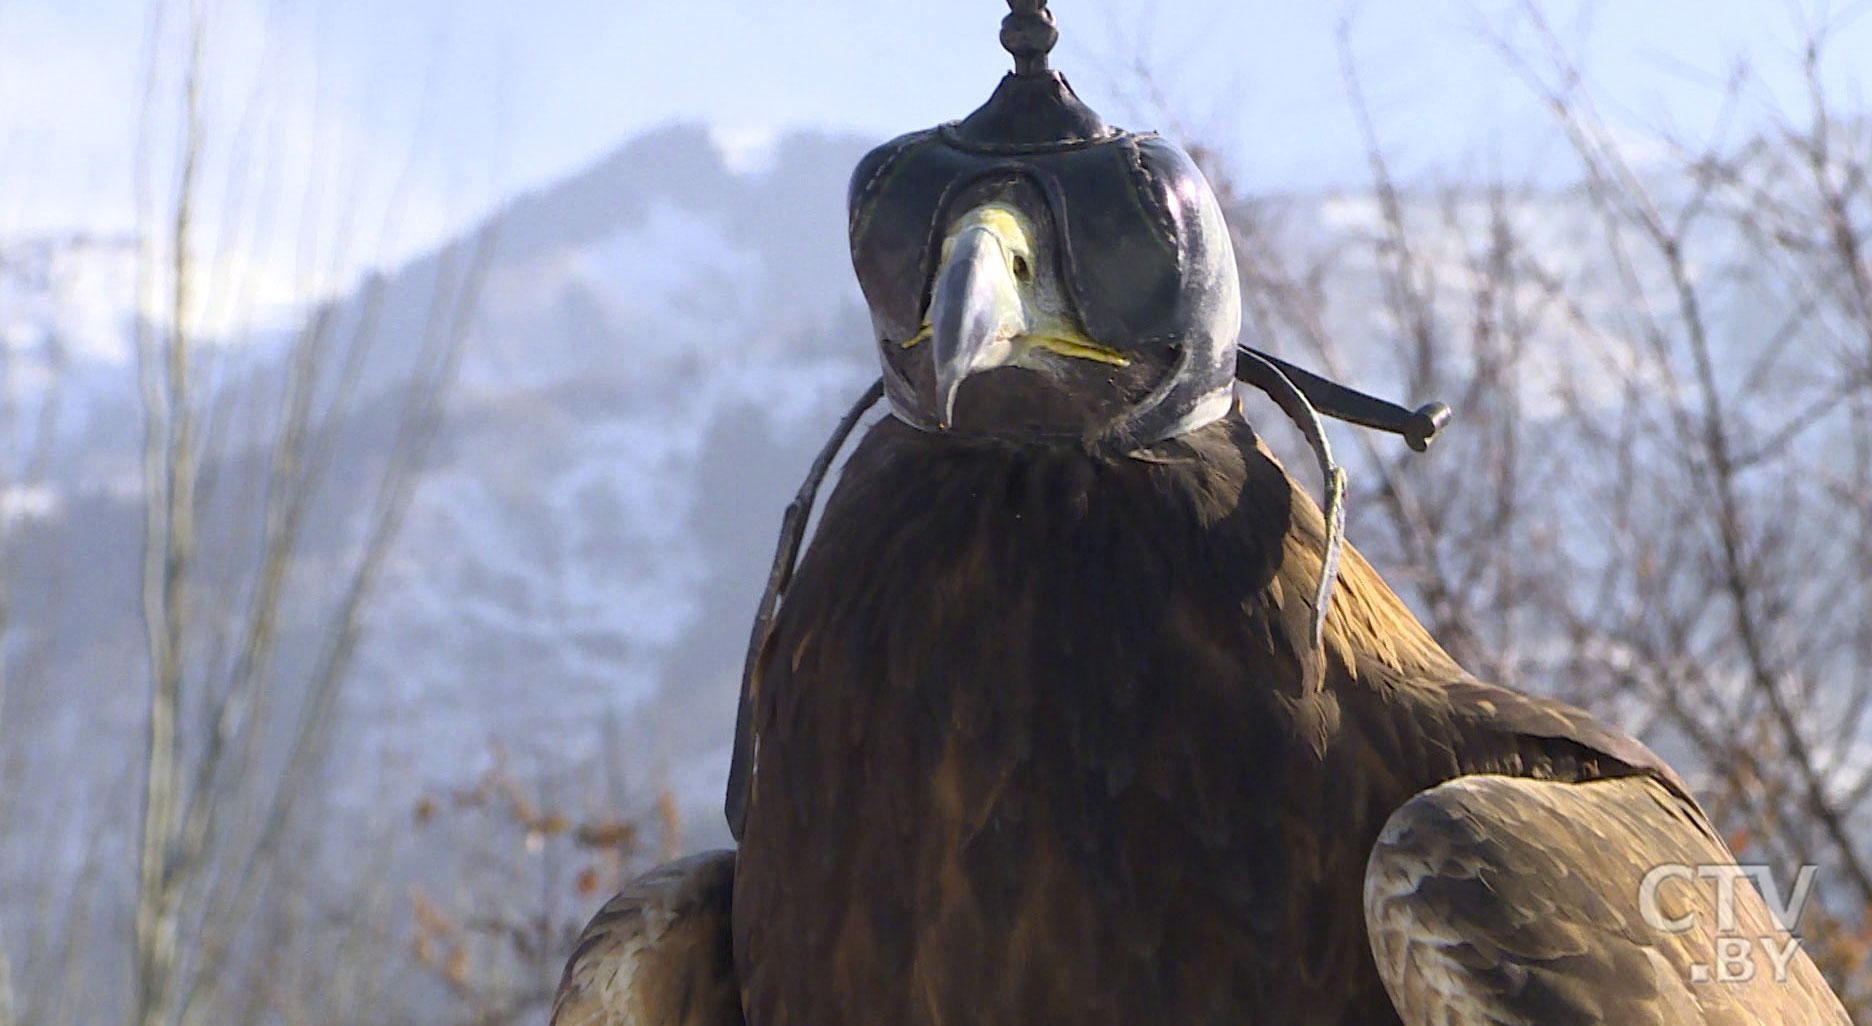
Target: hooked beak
976 311
991 306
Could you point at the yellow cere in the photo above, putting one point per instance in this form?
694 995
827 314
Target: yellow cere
1076 347
1080 348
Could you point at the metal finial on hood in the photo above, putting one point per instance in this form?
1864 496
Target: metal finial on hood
1028 32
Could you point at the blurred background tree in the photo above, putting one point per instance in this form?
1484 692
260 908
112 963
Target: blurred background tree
1656 505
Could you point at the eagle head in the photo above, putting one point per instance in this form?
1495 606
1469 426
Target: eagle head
1033 272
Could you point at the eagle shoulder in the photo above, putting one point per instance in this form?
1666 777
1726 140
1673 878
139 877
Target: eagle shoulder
1502 901
659 953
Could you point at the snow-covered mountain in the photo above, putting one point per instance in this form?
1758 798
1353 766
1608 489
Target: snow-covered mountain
657 348
660 346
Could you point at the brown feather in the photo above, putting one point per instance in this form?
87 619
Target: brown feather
1493 901
658 953
1038 750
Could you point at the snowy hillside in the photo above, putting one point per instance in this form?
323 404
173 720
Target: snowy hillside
659 347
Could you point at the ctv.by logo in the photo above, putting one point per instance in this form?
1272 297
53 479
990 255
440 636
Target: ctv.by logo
1733 952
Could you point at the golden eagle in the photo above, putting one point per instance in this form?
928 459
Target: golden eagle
1061 721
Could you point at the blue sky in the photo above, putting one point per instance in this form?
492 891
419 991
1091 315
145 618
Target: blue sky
434 109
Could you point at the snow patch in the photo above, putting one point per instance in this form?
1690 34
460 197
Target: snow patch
674 278
28 502
747 150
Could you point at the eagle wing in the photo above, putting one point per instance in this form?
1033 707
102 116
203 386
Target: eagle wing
659 953
1503 901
